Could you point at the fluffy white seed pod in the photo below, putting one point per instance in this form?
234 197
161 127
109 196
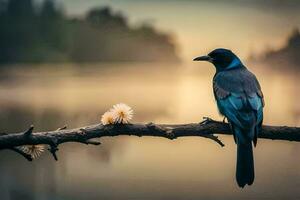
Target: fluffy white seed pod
34 150
107 118
122 113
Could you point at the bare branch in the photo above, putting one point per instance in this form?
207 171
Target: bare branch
205 129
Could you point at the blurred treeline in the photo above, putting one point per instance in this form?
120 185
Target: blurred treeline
285 58
43 33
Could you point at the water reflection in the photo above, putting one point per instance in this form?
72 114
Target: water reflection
139 168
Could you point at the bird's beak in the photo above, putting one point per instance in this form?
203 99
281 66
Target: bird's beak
203 58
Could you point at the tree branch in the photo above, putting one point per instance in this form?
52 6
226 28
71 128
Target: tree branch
205 129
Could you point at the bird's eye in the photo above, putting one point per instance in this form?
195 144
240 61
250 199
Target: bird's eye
212 56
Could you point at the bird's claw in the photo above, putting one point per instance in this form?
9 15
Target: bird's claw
224 120
206 120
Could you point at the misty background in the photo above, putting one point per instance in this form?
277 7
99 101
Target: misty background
68 61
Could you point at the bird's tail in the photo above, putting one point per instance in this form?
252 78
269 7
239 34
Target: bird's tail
245 164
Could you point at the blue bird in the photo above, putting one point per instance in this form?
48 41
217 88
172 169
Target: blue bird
240 99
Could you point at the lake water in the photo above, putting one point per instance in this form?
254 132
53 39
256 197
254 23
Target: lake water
50 96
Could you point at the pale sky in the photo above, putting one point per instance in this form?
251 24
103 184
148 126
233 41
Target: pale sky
199 26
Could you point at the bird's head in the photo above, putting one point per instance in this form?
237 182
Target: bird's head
223 59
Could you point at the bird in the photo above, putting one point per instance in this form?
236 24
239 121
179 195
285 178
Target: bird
240 100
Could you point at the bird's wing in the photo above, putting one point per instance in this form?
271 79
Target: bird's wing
260 93
240 99
237 81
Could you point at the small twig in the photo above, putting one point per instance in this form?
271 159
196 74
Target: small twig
92 142
29 131
62 128
207 120
216 139
53 149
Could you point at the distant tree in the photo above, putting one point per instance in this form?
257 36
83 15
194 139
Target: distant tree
287 57
105 17
53 31
294 40
20 9
18 22
49 10
28 34
3 5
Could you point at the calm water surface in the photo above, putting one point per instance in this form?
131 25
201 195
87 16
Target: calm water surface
132 167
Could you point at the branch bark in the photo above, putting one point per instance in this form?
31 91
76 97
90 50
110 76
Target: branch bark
207 129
